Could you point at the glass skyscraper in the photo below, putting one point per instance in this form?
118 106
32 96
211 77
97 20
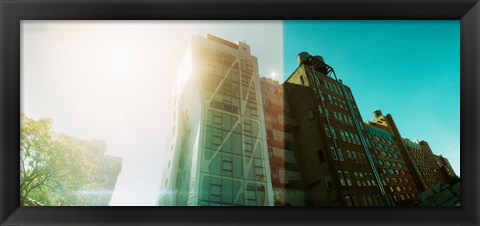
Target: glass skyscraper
218 151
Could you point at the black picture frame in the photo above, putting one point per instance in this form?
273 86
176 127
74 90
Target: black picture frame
13 11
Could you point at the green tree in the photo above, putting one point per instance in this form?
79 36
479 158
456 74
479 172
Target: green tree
55 168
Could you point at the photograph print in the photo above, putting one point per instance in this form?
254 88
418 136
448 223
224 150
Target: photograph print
240 113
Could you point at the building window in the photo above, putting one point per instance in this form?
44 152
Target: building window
227 167
357 139
340 154
334 135
327 131
348 137
215 189
342 180
353 138
217 140
349 155
334 154
347 177
329 182
355 174
361 179
342 135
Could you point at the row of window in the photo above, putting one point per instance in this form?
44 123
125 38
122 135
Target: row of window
360 179
339 117
350 137
343 118
233 142
337 90
351 155
385 154
337 102
427 171
372 144
420 158
333 88
429 179
403 197
390 164
217 59
224 191
331 130
333 100
414 147
384 137
399 180
393 171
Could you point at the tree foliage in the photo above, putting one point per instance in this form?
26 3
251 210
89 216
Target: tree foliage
55 168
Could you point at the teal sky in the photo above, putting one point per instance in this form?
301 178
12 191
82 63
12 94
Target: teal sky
410 69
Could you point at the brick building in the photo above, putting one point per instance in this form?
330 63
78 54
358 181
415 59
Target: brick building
418 156
286 178
330 145
396 177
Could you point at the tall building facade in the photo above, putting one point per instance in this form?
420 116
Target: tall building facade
418 156
330 142
279 125
391 165
218 153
